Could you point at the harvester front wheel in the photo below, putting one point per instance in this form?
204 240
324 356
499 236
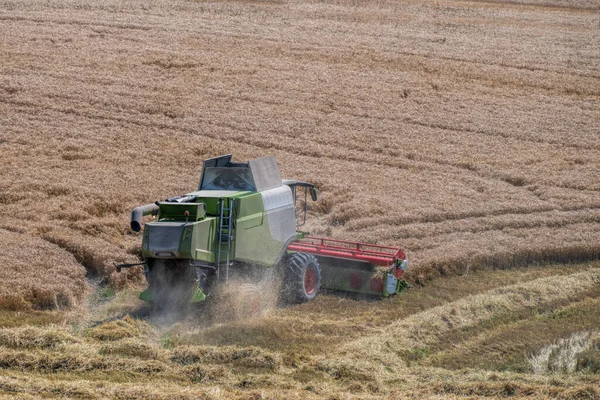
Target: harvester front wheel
302 278
172 285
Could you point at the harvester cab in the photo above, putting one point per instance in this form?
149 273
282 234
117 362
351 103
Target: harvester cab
243 221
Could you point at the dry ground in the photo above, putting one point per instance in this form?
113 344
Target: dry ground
466 132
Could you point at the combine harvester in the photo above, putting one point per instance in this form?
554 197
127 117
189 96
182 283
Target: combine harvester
243 222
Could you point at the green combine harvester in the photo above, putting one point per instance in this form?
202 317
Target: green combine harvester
242 223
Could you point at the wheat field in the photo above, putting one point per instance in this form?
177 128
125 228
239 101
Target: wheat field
466 132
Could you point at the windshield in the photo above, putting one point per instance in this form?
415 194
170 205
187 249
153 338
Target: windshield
227 178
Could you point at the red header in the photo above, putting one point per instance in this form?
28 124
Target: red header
375 254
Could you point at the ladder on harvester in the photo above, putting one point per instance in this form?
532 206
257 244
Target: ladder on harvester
225 237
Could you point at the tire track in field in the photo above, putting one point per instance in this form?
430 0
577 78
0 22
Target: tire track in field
412 122
428 327
244 138
500 64
323 51
404 164
503 135
410 232
254 140
394 120
441 218
549 5
46 21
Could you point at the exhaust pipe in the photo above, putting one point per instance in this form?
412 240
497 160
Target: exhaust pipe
139 212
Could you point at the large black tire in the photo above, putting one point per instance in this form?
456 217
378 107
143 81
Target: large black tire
172 285
301 279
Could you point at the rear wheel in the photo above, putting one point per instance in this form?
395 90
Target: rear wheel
302 278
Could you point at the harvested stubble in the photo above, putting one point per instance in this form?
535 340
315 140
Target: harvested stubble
245 357
29 337
148 362
76 360
130 348
119 329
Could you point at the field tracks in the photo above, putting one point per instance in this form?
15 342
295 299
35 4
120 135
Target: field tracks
426 329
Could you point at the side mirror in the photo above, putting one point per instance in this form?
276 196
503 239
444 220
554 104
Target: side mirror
313 194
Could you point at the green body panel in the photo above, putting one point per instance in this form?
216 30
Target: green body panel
198 296
253 241
203 239
212 202
198 240
146 295
212 205
145 246
250 209
254 244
